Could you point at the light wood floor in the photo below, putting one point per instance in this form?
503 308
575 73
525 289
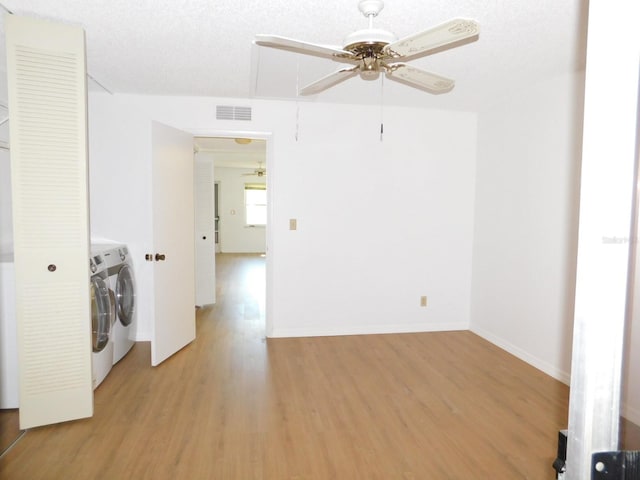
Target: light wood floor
233 405
9 428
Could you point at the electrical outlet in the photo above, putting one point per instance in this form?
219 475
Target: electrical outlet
423 301
293 224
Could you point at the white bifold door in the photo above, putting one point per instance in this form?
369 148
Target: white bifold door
173 236
46 75
205 230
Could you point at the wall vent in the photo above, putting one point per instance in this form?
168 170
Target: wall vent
229 112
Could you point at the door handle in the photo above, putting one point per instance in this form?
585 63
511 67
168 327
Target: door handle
159 257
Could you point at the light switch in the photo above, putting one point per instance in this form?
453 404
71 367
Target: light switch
293 224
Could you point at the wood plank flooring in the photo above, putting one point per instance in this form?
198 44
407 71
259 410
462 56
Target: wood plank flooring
9 428
233 405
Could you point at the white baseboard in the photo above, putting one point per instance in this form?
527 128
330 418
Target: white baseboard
142 336
564 377
366 330
630 413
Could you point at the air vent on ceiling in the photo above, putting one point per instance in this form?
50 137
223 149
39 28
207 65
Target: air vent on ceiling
229 112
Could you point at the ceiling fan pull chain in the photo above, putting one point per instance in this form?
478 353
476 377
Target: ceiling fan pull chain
297 119
297 98
381 106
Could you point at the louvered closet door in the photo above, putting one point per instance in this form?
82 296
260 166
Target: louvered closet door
48 138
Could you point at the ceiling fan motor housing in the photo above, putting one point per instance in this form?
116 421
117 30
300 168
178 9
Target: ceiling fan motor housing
368 36
368 45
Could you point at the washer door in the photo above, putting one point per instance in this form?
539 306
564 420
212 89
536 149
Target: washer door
101 314
125 295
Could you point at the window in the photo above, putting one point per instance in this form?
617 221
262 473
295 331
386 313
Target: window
255 203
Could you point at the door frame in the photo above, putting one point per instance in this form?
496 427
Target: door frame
216 206
271 248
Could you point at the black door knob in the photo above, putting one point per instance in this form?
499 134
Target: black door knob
159 257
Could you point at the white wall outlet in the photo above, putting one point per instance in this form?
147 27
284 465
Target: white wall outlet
423 301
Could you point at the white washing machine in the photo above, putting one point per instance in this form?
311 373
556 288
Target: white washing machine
102 318
8 334
120 269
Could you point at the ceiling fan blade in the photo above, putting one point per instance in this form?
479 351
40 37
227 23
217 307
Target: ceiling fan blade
448 33
418 78
298 46
329 81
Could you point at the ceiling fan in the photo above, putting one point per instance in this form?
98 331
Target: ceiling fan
372 51
258 172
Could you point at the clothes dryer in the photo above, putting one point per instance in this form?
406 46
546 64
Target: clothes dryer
102 314
122 279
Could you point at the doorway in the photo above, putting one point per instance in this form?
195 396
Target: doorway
241 192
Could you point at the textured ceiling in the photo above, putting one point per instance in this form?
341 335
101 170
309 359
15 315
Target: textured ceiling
204 47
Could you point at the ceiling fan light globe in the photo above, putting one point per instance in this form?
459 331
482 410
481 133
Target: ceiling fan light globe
370 74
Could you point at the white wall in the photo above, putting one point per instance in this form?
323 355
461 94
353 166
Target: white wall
379 223
120 190
526 223
235 236
6 226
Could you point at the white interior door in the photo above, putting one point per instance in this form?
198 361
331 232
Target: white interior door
205 231
173 237
46 73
